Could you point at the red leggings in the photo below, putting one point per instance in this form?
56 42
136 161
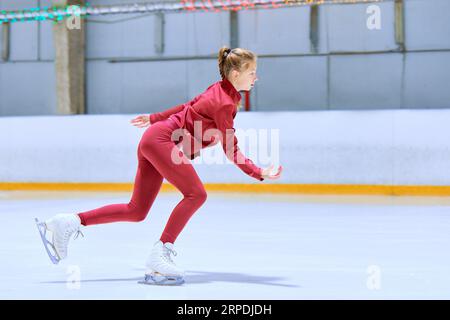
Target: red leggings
154 164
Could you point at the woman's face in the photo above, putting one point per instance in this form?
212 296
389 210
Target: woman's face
245 80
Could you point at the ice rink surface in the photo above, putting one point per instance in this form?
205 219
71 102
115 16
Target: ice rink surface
250 246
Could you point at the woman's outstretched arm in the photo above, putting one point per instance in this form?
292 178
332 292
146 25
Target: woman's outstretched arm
224 122
155 117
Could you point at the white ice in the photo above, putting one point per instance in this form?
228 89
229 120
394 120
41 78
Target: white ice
249 246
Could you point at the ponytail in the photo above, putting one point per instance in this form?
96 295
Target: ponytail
234 59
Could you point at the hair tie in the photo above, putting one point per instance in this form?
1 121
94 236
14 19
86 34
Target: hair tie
226 53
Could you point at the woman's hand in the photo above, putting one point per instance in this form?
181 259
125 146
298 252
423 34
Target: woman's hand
267 172
141 121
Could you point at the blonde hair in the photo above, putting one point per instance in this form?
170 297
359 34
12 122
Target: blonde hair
234 59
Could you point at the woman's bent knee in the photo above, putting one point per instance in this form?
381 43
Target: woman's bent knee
137 214
199 196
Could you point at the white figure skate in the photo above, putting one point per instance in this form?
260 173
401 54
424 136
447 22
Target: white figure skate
62 226
161 269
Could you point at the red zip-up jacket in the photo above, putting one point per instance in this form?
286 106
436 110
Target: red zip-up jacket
216 108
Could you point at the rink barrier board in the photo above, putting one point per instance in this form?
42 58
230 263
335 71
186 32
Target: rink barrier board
422 190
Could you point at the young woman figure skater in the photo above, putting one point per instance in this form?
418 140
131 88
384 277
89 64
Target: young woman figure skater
213 109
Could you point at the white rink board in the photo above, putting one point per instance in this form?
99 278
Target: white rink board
386 147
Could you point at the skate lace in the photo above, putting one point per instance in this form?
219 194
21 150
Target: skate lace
167 252
68 233
78 232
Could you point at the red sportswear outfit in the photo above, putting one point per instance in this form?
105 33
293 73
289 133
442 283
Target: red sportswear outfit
213 109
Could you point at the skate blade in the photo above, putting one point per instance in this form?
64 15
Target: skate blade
47 244
161 280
